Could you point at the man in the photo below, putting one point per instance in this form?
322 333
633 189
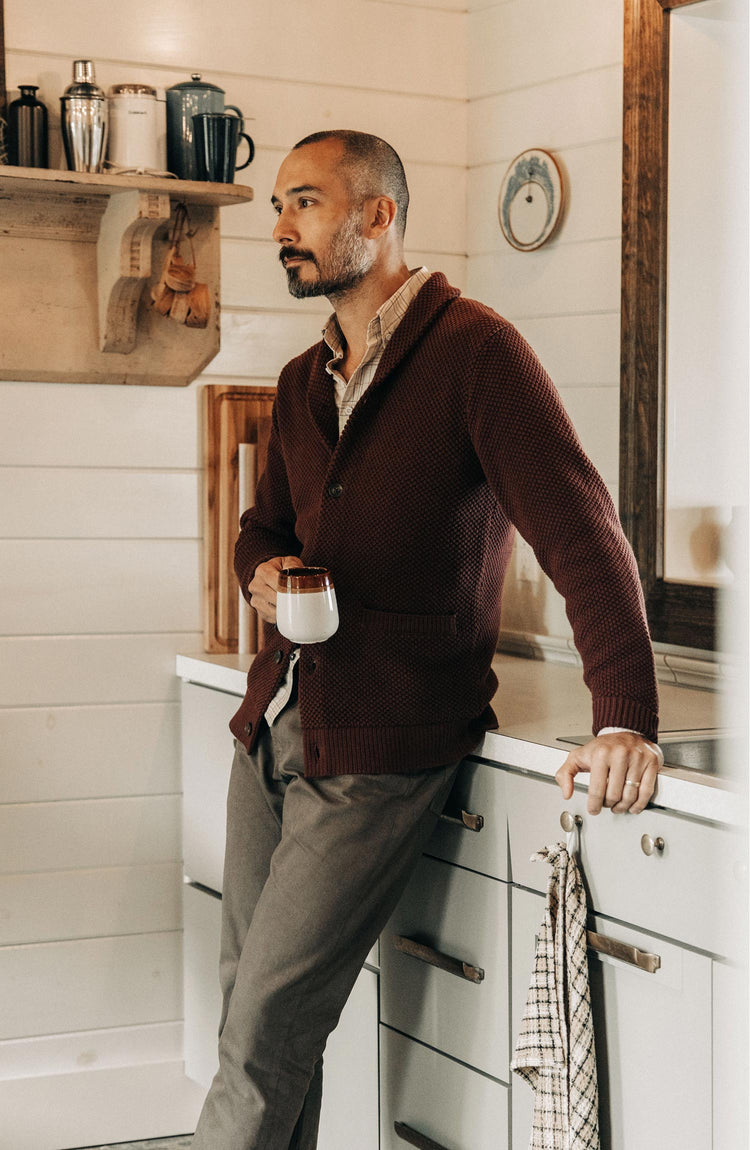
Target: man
404 447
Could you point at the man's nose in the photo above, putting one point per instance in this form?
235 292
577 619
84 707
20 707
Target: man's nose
284 232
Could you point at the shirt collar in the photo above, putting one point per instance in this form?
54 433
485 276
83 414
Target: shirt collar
386 319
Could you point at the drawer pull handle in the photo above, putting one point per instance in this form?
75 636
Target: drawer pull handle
569 822
414 1138
468 821
649 844
622 950
435 958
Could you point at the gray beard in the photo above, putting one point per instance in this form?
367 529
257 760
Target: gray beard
345 265
333 288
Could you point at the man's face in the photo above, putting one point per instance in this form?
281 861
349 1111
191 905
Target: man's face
318 227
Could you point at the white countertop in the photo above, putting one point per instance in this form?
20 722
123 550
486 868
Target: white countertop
536 703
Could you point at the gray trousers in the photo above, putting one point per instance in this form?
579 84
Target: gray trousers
313 871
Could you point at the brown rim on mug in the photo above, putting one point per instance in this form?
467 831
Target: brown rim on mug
302 580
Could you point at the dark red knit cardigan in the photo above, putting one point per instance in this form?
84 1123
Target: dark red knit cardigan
460 436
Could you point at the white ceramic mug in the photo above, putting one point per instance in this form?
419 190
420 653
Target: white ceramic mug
306 610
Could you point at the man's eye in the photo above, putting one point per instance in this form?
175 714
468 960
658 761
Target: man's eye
305 203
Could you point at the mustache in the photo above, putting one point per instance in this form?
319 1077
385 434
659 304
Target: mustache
290 253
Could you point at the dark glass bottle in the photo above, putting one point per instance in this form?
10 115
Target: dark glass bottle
27 130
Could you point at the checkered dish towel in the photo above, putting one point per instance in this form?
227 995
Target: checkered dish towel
555 1048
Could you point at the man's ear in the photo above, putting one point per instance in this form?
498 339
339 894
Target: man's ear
380 212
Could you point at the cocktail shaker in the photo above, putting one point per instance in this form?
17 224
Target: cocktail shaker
84 118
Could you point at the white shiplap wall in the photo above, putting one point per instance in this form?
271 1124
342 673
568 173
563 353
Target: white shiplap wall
549 74
99 565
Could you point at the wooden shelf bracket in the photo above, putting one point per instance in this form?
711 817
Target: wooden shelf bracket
124 248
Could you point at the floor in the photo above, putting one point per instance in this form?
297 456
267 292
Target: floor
181 1143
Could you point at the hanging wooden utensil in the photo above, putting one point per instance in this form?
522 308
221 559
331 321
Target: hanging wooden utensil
178 294
199 300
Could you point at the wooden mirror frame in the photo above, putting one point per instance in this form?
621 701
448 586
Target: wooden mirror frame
3 98
679 613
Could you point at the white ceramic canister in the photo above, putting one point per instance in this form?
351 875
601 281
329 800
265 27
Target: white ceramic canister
134 128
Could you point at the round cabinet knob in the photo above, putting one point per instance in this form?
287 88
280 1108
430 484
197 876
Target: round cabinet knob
568 821
649 845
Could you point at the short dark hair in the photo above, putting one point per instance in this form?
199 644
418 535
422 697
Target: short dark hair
374 168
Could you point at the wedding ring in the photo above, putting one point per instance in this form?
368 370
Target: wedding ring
631 783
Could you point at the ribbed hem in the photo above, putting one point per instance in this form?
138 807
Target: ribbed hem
389 750
628 713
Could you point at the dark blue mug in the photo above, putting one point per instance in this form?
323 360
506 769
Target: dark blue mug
216 137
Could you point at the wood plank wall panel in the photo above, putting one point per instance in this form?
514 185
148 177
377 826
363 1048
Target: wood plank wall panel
84 586
100 523
550 76
63 905
76 752
147 1100
565 112
571 37
98 503
52 987
50 1054
252 41
89 833
77 426
63 670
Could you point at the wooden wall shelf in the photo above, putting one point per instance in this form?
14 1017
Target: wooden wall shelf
77 250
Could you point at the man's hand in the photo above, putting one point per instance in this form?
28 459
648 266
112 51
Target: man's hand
262 586
622 767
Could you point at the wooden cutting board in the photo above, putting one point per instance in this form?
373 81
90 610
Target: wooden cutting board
232 414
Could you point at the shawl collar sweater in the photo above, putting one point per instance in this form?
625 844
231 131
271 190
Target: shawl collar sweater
460 437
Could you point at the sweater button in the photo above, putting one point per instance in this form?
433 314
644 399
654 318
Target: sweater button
278 656
335 490
248 728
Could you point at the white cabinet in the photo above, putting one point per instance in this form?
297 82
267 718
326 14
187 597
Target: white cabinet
450 917
731 1099
445 983
456 959
202 927
430 1100
207 749
472 832
688 890
653 1038
349 1113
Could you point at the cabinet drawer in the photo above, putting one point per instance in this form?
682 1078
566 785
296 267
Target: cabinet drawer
425 1092
479 796
464 916
689 891
207 751
652 1034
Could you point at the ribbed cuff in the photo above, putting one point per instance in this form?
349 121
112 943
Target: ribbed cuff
628 714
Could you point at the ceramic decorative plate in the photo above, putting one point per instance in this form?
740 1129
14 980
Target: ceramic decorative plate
531 199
